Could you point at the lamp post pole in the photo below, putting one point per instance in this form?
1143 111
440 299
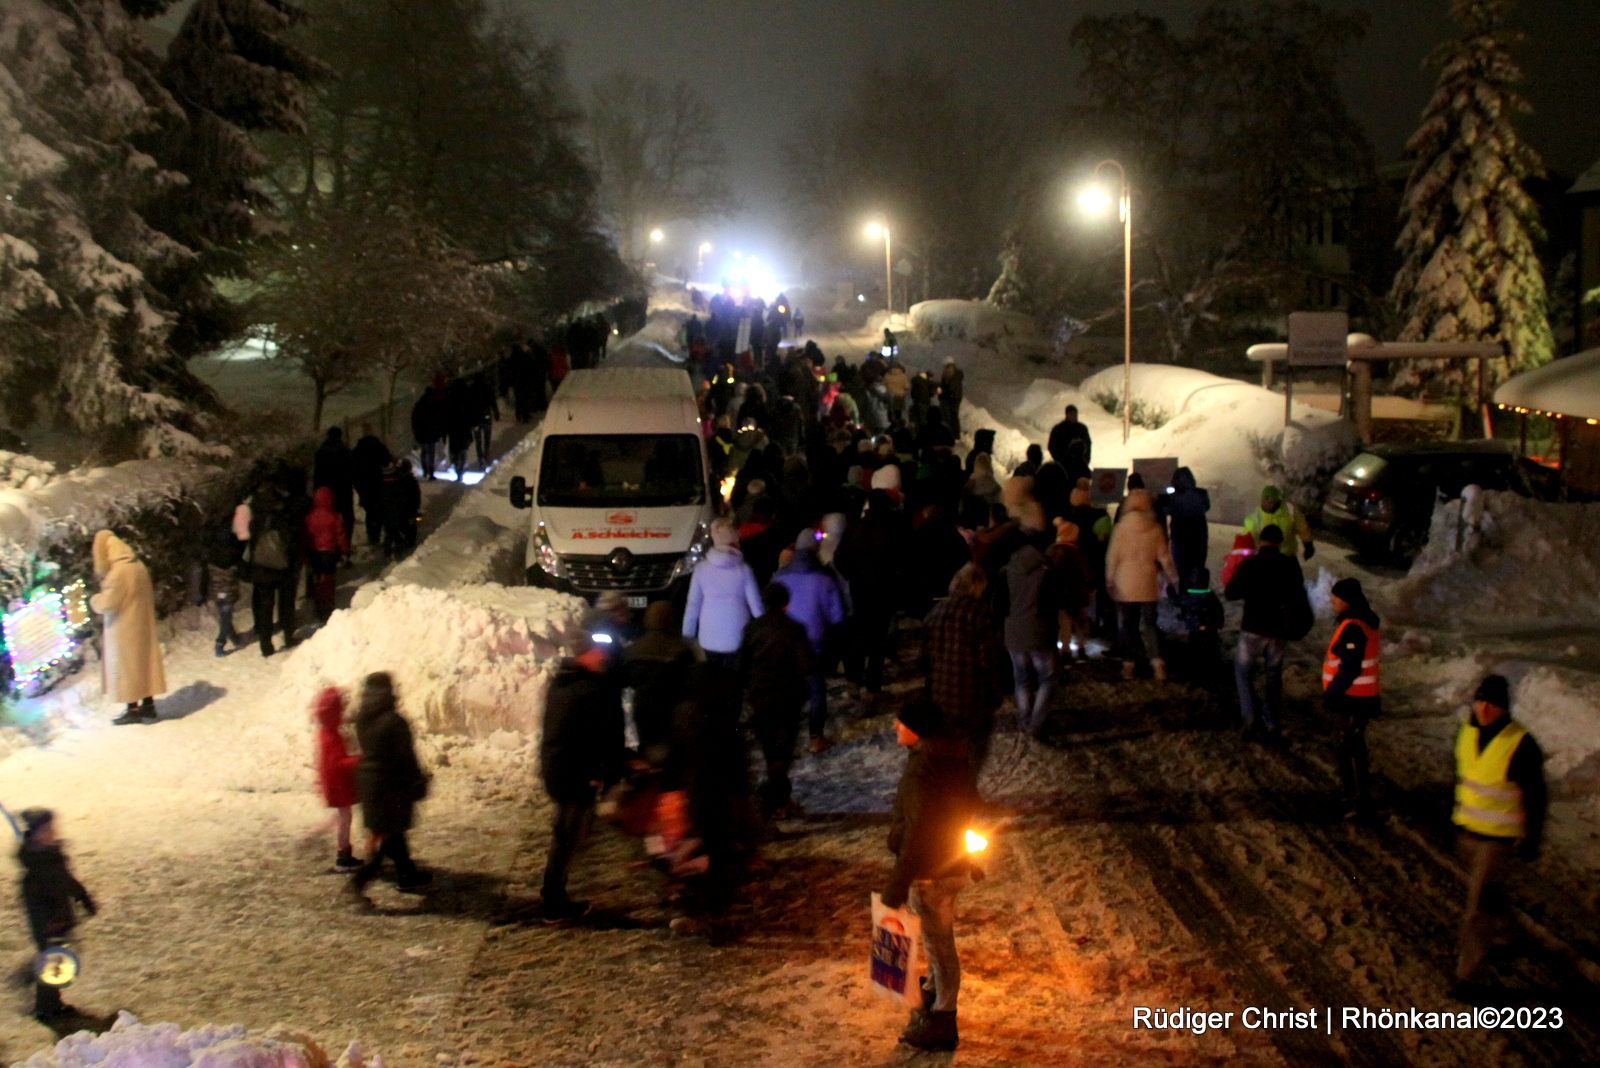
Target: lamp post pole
888 272
1125 214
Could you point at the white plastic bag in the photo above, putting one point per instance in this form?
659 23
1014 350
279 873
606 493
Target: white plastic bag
896 952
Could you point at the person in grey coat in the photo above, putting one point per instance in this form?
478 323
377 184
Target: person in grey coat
1030 631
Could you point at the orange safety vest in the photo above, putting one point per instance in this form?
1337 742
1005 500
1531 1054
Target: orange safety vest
1366 683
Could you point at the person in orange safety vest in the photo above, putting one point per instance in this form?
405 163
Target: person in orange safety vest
1350 688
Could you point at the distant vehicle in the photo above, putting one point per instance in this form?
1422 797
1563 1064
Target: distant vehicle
1383 499
620 498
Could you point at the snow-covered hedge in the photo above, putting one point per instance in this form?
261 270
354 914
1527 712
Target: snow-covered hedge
20 471
133 1044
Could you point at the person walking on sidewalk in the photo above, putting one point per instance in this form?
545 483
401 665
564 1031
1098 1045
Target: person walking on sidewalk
816 602
1350 687
933 809
1276 611
580 752
329 542
132 669
390 781
1500 806
49 890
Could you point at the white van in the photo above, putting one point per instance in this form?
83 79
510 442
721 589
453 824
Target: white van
621 496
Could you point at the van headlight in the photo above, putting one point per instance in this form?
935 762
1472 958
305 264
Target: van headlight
545 555
696 553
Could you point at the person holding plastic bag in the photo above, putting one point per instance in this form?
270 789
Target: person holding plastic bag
933 810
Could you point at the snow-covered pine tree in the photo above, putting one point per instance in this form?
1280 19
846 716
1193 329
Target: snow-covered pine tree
1470 270
233 74
85 335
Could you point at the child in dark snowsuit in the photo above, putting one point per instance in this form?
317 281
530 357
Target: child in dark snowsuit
336 769
48 890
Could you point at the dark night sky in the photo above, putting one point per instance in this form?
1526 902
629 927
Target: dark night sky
766 64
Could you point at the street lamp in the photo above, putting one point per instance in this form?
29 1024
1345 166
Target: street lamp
873 231
1097 200
656 237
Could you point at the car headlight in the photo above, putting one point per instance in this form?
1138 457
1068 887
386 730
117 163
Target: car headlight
545 555
696 552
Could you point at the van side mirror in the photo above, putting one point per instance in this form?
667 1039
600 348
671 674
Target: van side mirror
519 493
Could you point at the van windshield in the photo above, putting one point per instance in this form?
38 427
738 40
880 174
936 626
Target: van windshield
621 470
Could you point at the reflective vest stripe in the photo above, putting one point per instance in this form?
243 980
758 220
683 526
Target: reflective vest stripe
1366 683
1487 801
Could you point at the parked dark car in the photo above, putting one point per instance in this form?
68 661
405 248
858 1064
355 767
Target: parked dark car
1383 499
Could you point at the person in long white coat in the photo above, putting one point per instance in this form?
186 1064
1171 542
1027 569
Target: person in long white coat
131 665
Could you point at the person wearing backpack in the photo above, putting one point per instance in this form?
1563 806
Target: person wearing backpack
1276 612
271 557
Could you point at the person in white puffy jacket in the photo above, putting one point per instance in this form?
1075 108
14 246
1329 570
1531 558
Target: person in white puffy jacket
723 597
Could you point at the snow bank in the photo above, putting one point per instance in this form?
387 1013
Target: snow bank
1559 706
20 471
466 661
976 321
1500 558
1230 433
131 1044
83 501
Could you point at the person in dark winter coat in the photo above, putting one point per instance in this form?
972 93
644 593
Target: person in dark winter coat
656 668
934 806
1273 590
1030 632
430 421
329 541
1070 445
777 663
872 558
402 500
1350 688
1184 509
273 559
580 752
936 552
461 420
816 601
334 467
49 891
222 582
368 459
964 654
952 388
709 762
390 781
1072 584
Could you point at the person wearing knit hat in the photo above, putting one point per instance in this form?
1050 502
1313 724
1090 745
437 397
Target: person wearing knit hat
933 809
1350 687
1499 814
49 890
1277 512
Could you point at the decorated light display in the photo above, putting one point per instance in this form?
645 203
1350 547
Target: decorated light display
41 632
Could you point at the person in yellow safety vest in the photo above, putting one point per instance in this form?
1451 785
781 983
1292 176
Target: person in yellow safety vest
1350 688
1277 512
1500 810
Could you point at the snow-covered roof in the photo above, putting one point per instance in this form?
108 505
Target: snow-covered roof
1569 386
1589 181
625 383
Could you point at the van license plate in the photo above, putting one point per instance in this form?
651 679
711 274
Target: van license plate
638 602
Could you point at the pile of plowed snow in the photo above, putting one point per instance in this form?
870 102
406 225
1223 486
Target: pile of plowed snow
1230 433
1498 558
467 661
132 1043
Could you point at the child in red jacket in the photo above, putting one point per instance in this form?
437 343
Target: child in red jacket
329 542
336 769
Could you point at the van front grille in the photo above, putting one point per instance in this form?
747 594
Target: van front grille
652 572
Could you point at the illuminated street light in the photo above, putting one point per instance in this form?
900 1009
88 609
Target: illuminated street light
1097 200
656 237
874 231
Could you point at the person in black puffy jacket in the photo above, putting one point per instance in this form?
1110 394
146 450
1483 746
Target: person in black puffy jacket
49 890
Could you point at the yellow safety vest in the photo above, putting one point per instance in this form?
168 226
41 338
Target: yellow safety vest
1487 802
